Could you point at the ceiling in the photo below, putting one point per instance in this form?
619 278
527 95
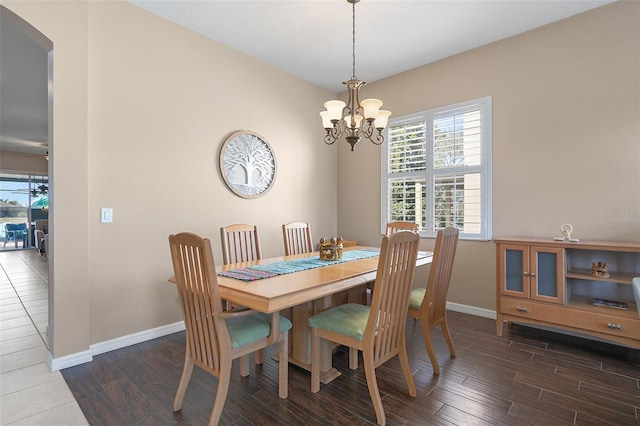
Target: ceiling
310 39
23 87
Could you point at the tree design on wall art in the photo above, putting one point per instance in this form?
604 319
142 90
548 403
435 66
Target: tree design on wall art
247 164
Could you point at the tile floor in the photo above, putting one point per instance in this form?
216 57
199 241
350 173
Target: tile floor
30 394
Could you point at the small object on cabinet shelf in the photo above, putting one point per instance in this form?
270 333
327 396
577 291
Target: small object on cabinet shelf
331 249
566 230
600 269
610 304
635 284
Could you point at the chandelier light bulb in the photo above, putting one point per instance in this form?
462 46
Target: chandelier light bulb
371 107
334 109
382 119
353 121
326 121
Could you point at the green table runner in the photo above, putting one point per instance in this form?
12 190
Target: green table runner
268 270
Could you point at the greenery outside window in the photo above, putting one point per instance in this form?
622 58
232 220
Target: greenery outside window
436 170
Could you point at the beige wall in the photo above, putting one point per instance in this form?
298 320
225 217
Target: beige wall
566 137
142 107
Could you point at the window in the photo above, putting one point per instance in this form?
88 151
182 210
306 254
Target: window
23 199
436 170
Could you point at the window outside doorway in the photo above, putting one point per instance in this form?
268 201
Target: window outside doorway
24 199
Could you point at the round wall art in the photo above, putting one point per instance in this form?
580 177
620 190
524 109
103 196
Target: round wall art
247 164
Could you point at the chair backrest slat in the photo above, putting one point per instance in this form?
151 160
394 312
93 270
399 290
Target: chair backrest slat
297 238
390 299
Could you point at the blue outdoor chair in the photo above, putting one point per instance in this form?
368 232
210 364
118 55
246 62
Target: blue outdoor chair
15 232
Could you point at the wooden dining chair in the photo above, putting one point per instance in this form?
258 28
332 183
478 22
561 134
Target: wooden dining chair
297 238
429 305
379 330
216 337
393 227
240 243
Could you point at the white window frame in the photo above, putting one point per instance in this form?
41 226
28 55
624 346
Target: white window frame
485 168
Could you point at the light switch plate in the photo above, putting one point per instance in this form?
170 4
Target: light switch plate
106 215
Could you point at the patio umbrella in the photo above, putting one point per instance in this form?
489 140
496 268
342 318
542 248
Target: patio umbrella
40 202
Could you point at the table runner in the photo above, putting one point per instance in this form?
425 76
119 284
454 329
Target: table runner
268 270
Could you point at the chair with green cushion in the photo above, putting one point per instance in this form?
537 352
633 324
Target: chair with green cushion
240 243
216 337
429 305
377 330
392 228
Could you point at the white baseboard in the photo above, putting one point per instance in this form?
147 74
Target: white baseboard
111 345
132 339
471 310
72 360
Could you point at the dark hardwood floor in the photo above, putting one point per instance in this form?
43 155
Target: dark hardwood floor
526 377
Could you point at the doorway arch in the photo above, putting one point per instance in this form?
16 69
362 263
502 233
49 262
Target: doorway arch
33 129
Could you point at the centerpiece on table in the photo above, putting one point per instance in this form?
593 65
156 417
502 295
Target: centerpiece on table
331 248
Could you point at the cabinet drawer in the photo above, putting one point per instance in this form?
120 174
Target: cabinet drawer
574 318
525 308
607 324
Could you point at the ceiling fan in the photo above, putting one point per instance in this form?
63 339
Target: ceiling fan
46 155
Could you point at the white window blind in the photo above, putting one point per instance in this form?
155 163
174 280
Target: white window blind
437 170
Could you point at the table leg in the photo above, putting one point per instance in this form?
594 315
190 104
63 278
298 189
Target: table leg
300 335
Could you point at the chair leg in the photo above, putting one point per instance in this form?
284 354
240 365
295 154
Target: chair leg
426 337
315 361
447 336
353 358
372 384
221 393
406 370
283 367
244 365
187 369
258 357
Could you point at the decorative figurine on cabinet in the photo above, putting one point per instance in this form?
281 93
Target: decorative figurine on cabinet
566 230
600 269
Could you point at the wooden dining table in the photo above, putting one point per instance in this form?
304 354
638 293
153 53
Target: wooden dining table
301 294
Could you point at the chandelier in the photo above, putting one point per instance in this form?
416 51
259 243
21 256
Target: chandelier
355 118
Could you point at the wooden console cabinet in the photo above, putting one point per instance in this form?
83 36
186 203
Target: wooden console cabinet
550 283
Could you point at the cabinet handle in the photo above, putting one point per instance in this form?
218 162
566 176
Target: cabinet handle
614 326
533 274
526 274
523 309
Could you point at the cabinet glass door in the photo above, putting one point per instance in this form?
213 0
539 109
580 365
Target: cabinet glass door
515 264
547 274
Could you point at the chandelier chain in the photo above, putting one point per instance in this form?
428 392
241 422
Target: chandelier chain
353 41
